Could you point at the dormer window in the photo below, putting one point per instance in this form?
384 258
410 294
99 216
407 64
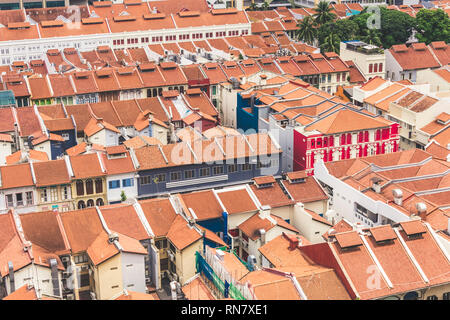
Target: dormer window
298 180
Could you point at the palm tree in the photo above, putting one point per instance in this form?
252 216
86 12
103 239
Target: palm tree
372 36
330 43
306 30
323 13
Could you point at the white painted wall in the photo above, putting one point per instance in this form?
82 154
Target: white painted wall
22 209
5 150
114 194
38 276
345 198
311 229
133 271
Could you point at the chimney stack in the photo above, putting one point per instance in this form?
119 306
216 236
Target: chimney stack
422 210
398 196
293 242
264 212
376 184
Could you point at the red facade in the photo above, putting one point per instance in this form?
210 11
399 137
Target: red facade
306 148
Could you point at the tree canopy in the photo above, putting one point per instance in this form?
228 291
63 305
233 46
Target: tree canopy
432 25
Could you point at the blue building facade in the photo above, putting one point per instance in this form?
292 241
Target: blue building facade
184 178
247 115
59 147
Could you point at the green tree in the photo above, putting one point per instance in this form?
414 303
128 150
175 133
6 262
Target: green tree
306 30
323 13
372 36
432 25
330 43
123 196
346 29
396 26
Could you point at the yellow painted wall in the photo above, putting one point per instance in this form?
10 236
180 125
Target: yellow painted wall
105 278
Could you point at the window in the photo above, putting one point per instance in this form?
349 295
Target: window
188 174
53 194
144 180
204 172
370 68
161 244
89 186
446 296
29 197
127 182
80 188
82 258
44 195
164 264
90 203
232 168
175 176
65 136
99 202
432 297
19 199
9 200
115 184
246 167
380 67
160 178
98 185
81 204
218 170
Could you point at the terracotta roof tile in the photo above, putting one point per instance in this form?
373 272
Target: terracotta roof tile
18 175
86 166
160 214
50 173
237 201
181 235
23 293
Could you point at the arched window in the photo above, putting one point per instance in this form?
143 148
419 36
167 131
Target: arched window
98 185
80 188
412 295
90 203
99 202
89 186
81 204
